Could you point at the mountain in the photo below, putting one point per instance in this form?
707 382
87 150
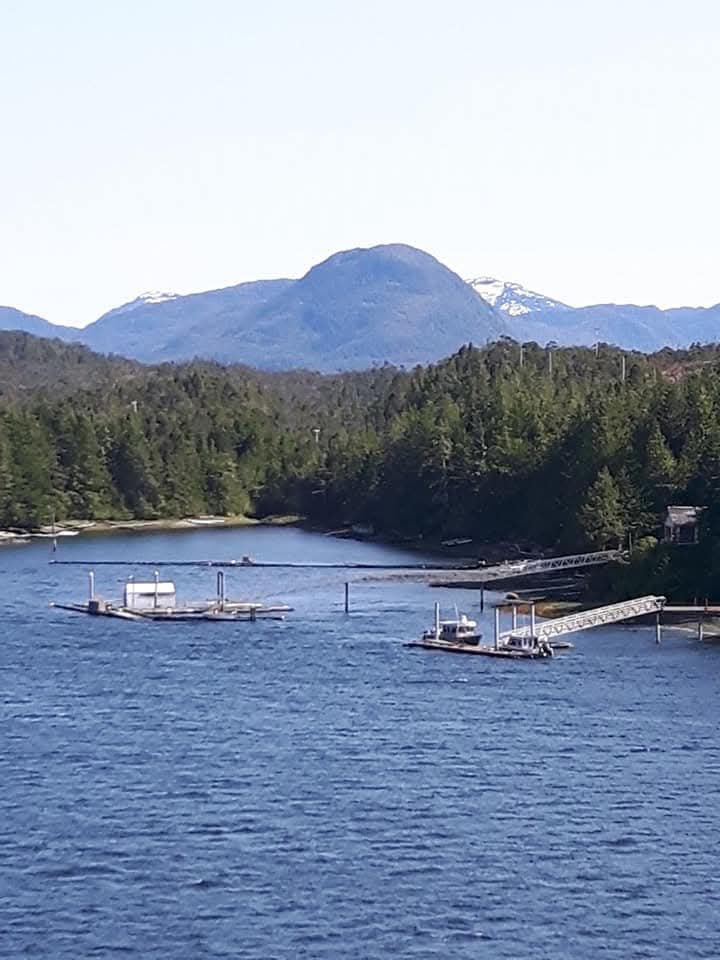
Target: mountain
12 319
533 316
356 309
361 308
158 327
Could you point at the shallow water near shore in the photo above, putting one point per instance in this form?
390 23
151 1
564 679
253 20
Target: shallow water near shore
311 788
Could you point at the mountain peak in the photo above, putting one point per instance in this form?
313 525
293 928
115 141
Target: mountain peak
513 299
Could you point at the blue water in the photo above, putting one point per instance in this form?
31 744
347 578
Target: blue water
314 789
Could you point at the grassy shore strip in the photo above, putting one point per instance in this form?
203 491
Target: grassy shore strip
164 524
547 609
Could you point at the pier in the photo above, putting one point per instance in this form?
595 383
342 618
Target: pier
586 619
511 569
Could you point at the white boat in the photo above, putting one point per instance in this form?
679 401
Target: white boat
461 629
460 635
534 648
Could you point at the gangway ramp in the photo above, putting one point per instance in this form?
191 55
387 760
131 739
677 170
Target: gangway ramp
512 569
585 619
524 568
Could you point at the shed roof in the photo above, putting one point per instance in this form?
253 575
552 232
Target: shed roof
683 516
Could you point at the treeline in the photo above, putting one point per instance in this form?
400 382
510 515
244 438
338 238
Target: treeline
566 448
487 446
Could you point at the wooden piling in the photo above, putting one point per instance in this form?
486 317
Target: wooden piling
347 597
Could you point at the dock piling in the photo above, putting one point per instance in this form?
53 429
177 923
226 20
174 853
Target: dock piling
497 628
658 628
91 585
347 597
532 618
482 599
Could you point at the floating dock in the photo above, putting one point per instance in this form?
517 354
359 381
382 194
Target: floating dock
478 649
155 601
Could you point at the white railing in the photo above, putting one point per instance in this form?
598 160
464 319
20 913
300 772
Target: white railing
523 568
590 618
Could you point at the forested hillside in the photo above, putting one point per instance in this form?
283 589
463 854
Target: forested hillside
564 449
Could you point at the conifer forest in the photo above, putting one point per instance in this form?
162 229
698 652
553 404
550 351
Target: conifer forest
563 449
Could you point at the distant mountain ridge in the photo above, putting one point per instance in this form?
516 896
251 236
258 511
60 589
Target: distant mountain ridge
356 309
536 317
12 319
364 307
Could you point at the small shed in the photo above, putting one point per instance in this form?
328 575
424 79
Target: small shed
682 524
149 595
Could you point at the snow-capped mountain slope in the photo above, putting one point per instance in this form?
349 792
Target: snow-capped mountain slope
513 299
150 296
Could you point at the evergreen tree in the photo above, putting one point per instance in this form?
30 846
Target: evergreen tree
601 518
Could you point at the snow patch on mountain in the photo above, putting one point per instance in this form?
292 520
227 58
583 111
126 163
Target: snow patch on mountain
513 299
157 296
150 296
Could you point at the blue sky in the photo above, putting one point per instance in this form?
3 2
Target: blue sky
184 145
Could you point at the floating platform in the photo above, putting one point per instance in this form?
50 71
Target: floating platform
233 612
98 608
156 601
477 649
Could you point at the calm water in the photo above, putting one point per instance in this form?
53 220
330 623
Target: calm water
313 789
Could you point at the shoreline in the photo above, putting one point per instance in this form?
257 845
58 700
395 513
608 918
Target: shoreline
72 528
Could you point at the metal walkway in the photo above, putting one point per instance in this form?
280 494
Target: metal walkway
524 568
589 618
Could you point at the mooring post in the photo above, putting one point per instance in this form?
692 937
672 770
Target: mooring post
157 588
91 584
482 599
658 627
437 621
532 618
700 627
514 616
347 597
497 627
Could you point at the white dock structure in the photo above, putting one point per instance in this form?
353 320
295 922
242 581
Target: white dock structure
524 568
585 619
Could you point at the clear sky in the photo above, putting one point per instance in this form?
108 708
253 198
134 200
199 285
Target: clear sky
570 145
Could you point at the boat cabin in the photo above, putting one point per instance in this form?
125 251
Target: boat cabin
528 646
462 630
